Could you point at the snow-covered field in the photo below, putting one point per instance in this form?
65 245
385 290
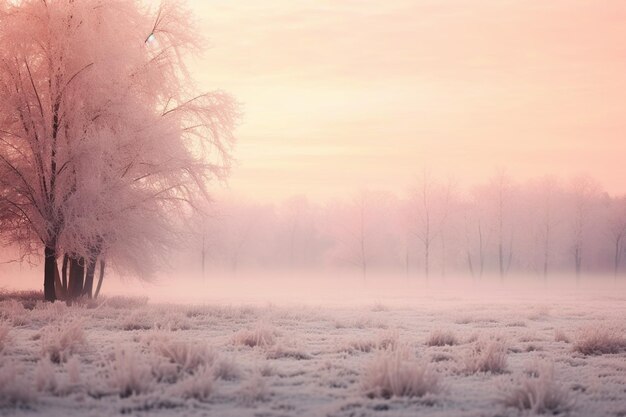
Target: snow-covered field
451 356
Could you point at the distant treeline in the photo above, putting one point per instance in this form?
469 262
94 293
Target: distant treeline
541 227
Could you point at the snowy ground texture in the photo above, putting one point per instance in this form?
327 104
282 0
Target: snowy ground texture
127 356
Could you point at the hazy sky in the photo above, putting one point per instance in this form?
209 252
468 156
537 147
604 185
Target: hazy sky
344 94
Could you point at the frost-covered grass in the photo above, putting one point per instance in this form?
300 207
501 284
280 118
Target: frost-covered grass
15 391
487 356
260 334
396 372
61 340
441 338
186 356
128 374
226 368
132 357
539 393
600 339
5 328
198 385
561 336
384 339
253 390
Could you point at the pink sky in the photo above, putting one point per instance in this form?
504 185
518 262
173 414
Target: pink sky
342 95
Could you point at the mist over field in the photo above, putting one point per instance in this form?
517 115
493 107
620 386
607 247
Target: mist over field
312 208
320 343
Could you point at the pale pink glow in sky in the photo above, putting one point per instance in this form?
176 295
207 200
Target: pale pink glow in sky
341 95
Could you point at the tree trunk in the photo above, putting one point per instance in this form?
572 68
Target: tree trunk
510 258
89 275
64 271
426 258
443 255
77 278
501 259
577 261
50 267
481 254
546 252
470 265
618 253
58 285
100 279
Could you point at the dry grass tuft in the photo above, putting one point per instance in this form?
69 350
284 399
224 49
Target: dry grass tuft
395 372
50 312
538 393
358 344
287 352
441 338
45 376
561 336
5 328
253 390
260 335
137 320
385 339
486 356
600 340
128 375
60 341
14 391
173 321
227 369
199 385
73 371
27 299
14 312
185 355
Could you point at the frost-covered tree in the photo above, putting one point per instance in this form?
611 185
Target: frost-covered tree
105 144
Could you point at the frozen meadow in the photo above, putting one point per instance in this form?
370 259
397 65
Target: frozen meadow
336 280
369 351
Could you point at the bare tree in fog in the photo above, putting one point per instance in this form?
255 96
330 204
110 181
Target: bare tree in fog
449 203
239 232
547 191
501 189
431 202
352 226
475 235
361 233
377 231
617 228
583 192
405 224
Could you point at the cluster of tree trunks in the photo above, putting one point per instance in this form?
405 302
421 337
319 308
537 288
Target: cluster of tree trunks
76 279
